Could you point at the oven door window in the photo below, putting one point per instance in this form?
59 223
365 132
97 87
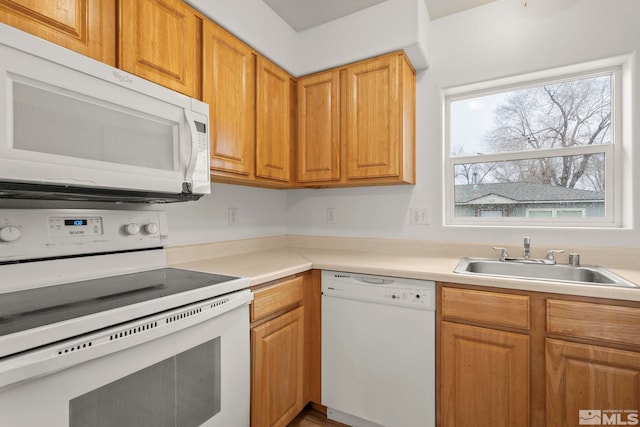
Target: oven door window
183 390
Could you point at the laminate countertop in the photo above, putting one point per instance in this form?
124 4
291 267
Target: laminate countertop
265 265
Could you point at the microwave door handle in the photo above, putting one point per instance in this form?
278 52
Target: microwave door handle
188 176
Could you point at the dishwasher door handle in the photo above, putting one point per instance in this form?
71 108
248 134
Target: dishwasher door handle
373 280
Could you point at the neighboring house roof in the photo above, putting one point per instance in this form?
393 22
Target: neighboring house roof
522 192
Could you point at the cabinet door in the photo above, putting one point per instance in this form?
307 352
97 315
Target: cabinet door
229 69
373 119
319 127
484 377
588 384
277 370
273 122
160 41
85 26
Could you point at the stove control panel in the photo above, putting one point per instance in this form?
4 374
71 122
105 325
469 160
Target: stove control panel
75 226
46 233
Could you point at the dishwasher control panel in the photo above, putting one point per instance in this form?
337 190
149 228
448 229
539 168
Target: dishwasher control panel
387 290
409 296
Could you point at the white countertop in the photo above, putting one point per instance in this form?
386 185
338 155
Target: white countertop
270 264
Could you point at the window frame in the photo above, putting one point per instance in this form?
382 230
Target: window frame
618 68
554 211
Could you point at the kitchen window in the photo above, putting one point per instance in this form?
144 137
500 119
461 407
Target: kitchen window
542 149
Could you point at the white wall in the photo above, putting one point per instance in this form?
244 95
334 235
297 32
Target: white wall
493 41
384 27
256 24
261 213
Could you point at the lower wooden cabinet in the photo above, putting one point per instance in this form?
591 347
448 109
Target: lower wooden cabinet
277 370
485 377
589 383
519 358
285 349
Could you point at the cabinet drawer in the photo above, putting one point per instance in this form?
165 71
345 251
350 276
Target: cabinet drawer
487 307
278 296
603 322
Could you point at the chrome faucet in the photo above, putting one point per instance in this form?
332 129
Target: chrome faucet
526 253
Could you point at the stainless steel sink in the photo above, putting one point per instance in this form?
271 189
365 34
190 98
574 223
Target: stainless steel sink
589 274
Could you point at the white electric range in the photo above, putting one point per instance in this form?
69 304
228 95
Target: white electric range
96 329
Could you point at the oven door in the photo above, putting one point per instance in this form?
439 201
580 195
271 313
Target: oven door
196 375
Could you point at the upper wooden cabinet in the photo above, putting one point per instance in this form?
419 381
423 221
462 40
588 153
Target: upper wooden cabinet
160 40
377 140
357 124
319 127
274 122
251 117
85 26
229 70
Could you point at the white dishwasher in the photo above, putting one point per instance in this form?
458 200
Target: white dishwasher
378 350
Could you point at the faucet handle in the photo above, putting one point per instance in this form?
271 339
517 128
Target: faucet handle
503 252
550 253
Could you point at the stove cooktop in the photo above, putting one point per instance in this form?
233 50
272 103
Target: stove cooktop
106 301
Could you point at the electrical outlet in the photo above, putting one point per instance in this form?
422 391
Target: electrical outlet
419 216
233 216
331 215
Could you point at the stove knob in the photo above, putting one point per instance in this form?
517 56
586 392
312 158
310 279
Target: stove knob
131 229
150 228
9 234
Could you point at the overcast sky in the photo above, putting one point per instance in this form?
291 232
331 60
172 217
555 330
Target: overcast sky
470 120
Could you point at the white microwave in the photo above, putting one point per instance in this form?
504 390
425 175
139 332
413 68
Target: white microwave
77 129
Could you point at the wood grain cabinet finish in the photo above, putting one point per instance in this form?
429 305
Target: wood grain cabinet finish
486 307
517 358
160 40
602 322
319 127
270 299
380 120
485 377
356 124
582 377
85 26
285 348
277 375
229 87
274 123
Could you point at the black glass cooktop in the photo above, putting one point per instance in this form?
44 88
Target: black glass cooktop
32 308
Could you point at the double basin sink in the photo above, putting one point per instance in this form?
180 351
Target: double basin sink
584 274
